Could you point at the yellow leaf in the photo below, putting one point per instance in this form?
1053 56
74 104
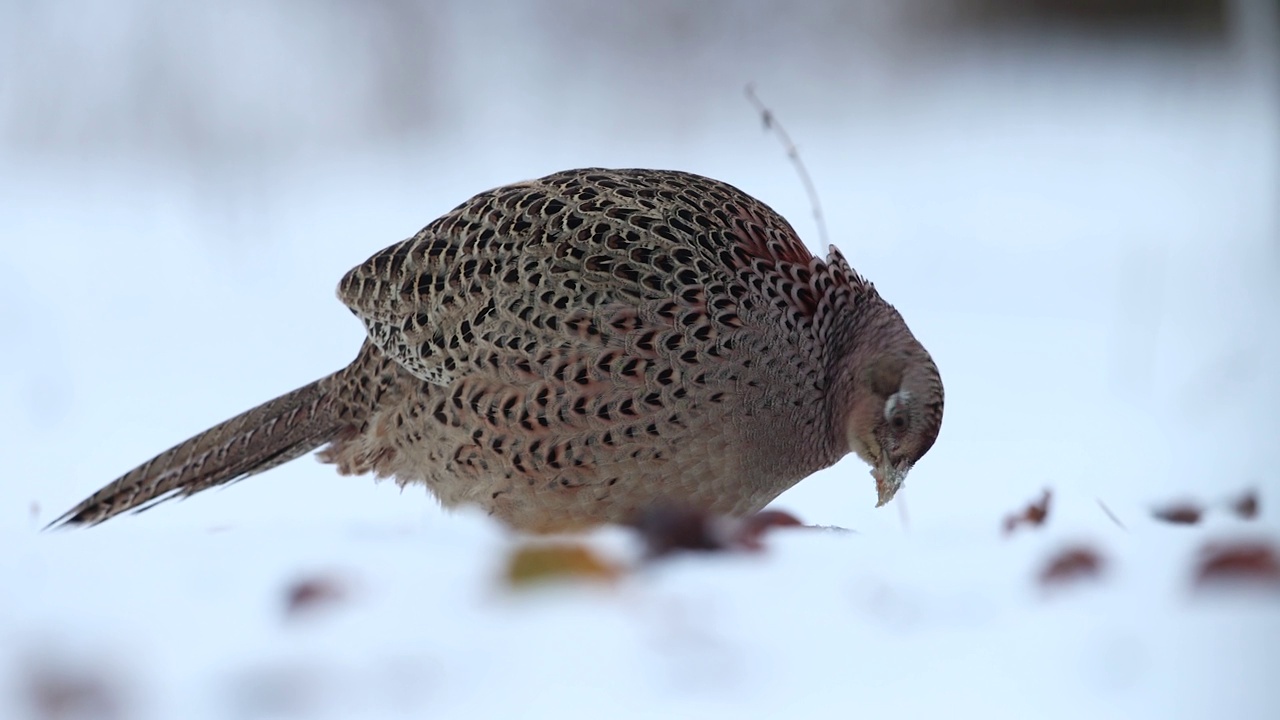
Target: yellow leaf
558 562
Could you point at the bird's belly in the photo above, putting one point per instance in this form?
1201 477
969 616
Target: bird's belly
549 475
597 485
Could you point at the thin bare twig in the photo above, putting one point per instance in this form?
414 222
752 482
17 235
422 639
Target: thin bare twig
1111 515
771 123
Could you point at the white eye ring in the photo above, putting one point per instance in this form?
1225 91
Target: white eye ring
902 396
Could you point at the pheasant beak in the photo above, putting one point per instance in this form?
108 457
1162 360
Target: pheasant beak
889 477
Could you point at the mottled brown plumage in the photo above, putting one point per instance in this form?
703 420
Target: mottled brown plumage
569 350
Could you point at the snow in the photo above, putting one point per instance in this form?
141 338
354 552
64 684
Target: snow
193 623
1085 241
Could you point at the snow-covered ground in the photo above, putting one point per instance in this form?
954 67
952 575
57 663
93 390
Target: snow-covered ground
1087 240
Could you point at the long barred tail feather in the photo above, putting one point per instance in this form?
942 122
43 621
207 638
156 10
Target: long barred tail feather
270 434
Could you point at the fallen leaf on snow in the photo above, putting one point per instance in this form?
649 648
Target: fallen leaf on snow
667 528
314 592
1071 565
1246 506
1033 515
541 562
58 688
1242 561
754 527
1181 513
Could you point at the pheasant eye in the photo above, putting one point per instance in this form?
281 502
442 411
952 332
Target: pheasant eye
898 422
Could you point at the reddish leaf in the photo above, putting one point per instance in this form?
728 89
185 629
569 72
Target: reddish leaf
667 528
1034 515
1241 561
1183 513
313 592
754 527
1071 565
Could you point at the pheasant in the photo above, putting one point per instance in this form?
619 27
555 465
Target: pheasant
569 351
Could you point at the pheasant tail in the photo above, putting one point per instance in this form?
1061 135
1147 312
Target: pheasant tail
270 434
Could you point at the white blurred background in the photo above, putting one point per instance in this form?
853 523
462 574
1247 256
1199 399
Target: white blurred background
1074 204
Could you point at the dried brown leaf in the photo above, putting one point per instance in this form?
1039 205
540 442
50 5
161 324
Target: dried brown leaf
1182 513
1071 565
1246 506
538 562
1239 561
1034 515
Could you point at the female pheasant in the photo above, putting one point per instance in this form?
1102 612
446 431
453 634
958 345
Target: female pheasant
568 351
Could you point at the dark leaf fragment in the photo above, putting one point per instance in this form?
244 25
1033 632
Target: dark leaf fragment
1034 515
668 528
1246 506
1243 561
313 592
1181 513
1072 565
